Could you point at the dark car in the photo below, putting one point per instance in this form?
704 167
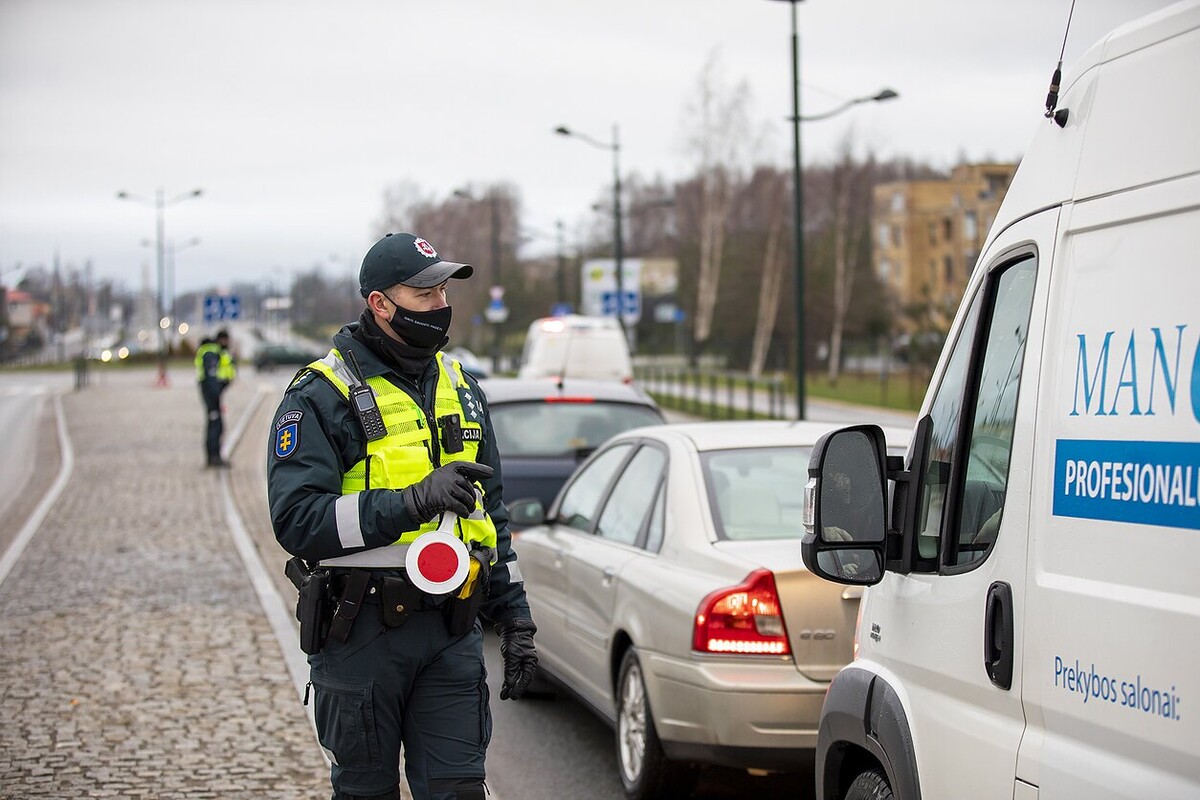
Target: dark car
269 356
546 427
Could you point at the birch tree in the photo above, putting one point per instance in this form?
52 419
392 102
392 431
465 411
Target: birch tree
721 141
775 188
851 187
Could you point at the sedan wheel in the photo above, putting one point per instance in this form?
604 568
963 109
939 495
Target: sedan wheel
645 771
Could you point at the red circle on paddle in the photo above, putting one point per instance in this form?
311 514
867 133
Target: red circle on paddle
437 562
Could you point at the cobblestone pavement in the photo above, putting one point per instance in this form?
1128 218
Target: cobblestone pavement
135 660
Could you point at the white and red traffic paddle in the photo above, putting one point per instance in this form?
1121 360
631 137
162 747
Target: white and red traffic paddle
438 562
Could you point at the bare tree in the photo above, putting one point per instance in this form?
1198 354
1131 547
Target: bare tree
850 183
402 202
773 262
721 141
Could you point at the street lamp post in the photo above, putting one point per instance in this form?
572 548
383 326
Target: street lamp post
160 204
618 239
561 263
170 250
798 200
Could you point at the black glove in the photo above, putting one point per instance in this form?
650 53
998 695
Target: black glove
447 488
520 656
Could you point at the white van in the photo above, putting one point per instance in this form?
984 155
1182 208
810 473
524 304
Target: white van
1032 629
575 346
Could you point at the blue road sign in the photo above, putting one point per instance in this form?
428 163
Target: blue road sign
630 306
222 308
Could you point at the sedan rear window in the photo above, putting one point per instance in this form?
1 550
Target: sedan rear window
544 429
757 493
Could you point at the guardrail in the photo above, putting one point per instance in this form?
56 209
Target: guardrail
716 394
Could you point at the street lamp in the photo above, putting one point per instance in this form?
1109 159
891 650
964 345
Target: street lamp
494 211
170 250
618 242
798 199
159 204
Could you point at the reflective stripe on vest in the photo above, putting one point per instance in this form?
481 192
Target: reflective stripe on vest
402 458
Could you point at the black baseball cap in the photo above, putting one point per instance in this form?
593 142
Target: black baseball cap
407 259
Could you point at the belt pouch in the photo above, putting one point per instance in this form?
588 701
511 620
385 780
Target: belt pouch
462 611
312 610
350 604
400 598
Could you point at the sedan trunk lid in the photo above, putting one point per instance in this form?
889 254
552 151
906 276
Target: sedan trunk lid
820 617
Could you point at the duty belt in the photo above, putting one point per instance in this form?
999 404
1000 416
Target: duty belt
390 557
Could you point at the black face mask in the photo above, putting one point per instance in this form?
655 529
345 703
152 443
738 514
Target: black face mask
420 328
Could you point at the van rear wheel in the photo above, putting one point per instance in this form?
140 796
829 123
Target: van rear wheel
869 785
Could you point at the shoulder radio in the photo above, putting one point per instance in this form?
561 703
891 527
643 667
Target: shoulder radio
362 400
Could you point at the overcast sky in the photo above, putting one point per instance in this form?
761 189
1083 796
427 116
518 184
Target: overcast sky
294 116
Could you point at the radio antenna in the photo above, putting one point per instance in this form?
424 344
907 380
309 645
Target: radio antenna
1056 78
562 373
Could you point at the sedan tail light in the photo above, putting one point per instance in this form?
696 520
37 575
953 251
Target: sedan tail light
743 619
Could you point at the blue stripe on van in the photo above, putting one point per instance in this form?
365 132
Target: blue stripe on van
1151 483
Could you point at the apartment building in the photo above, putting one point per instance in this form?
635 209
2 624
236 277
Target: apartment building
928 234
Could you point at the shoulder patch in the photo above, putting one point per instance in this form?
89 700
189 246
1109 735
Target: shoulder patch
287 434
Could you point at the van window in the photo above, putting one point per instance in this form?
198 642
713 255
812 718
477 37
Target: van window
962 497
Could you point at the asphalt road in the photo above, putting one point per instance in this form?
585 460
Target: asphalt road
542 749
29 455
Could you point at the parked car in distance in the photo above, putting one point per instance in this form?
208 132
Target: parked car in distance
669 593
269 356
470 362
576 346
545 428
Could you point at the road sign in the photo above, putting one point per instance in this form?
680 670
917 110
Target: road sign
599 284
496 312
222 308
630 305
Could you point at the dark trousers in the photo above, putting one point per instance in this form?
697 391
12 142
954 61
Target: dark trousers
210 392
414 685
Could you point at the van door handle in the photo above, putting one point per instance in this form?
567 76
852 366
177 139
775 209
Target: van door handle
998 635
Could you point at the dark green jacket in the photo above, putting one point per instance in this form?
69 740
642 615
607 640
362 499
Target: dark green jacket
304 484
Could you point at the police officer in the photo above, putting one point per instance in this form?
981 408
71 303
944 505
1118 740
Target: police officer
215 370
372 448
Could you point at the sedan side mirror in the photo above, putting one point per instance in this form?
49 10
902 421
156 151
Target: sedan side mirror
844 510
526 512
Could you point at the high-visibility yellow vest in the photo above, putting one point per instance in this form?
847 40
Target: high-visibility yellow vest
226 370
403 456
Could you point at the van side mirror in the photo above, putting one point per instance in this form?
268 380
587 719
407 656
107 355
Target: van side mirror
845 516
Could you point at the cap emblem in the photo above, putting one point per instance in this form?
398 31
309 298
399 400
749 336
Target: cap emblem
425 248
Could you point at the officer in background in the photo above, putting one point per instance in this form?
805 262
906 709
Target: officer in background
215 370
370 448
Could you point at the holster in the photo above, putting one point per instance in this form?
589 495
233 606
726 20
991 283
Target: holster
463 608
313 604
400 598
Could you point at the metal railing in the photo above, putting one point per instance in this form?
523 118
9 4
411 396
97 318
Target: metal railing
716 394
